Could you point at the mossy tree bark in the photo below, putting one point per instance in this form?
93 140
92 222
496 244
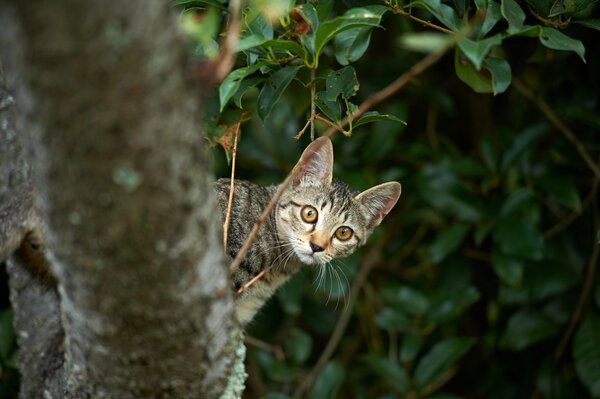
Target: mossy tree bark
143 306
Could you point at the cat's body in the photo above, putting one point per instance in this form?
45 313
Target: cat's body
316 220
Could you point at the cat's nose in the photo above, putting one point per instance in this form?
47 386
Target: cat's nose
315 247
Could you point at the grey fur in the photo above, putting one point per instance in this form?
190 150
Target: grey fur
286 241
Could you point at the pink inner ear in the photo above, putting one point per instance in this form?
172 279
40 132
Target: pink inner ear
316 162
380 200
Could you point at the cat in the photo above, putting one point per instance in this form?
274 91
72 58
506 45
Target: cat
317 218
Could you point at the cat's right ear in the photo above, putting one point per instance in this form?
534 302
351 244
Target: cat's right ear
315 164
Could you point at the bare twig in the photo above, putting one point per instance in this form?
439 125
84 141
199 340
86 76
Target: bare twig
330 123
564 223
585 290
301 132
312 104
231 187
252 281
398 10
370 261
558 123
265 346
373 100
581 302
227 56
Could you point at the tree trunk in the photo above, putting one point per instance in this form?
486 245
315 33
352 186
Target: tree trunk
145 304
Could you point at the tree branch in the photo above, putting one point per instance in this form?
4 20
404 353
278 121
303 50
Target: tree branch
558 123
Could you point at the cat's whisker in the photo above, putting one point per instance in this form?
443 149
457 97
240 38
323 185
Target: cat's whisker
346 290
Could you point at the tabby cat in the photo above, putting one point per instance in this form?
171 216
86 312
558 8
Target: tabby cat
317 219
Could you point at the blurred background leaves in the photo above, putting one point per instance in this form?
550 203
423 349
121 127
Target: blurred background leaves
481 283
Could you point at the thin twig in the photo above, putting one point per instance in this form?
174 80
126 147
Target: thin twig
265 346
231 187
421 21
312 104
330 123
252 281
370 261
227 56
585 290
564 223
301 132
558 123
373 100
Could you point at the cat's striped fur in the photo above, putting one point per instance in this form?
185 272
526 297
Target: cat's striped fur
317 219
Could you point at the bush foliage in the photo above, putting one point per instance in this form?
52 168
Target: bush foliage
483 283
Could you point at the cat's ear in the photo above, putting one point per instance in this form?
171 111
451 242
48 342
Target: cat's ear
315 164
378 201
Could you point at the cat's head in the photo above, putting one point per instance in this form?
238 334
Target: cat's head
323 218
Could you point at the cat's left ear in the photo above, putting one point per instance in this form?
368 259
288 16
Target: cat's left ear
315 164
378 201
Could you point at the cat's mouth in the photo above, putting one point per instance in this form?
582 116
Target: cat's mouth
309 257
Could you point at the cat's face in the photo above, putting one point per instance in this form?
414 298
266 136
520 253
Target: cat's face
322 218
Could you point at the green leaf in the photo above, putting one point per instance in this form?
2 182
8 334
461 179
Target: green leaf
501 74
331 109
523 143
527 327
556 40
444 13
493 14
593 23
509 269
586 352
341 82
254 41
424 42
351 44
597 292
329 381
407 298
562 188
449 305
374 116
476 51
392 319
290 295
440 359
391 373
7 335
273 88
470 75
245 86
275 395
518 237
411 345
445 192
513 14
353 18
232 82
448 240
298 345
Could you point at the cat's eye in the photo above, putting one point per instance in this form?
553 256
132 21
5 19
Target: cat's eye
343 233
309 214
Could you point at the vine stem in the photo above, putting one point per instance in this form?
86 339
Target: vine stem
312 103
558 123
370 102
231 186
429 24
